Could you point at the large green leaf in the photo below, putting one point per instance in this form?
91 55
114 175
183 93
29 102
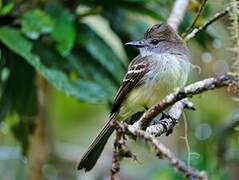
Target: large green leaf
85 86
83 90
88 68
64 32
36 22
101 52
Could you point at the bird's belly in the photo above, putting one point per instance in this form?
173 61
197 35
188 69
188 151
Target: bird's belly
156 90
145 96
158 83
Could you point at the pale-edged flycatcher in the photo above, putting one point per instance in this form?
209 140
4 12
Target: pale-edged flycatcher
161 66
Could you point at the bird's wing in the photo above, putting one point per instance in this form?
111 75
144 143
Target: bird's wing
137 69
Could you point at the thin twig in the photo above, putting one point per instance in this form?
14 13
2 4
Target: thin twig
188 91
164 153
177 13
190 27
185 138
207 23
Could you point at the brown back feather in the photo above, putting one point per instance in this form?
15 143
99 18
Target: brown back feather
131 80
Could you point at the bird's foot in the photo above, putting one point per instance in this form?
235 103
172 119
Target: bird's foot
167 116
174 121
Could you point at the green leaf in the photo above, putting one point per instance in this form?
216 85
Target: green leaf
36 22
101 52
21 130
87 87
87 68
5 9
14 40
83 90
19 87
56 77
64 33
5 103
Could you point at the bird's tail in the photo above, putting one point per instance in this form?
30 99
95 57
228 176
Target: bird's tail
93 153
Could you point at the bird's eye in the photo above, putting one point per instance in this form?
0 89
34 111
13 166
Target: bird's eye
155 41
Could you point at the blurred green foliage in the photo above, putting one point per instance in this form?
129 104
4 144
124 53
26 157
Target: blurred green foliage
62 42
54 40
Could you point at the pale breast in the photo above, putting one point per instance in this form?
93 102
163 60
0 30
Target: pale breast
167 72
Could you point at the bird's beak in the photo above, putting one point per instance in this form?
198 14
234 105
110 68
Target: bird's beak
137 44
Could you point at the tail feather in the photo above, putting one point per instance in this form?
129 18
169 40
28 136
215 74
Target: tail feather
91 156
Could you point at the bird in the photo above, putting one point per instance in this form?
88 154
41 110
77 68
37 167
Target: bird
161 66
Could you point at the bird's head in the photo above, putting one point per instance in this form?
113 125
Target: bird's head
160 38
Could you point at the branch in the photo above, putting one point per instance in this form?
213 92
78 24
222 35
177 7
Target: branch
164 153
177 13
207 23
178 99
234 29
189 28
166 125
188 91
120 149
116 154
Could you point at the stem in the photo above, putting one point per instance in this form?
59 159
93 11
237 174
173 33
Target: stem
207 23
189 28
